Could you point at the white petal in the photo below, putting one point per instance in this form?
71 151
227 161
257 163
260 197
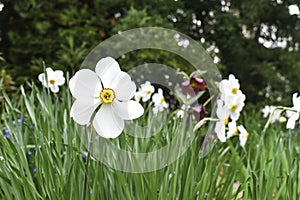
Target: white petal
292 120
128 110
296 101
107 124
221 111
85 83
243 140
108 70
60 81
54 88
41 77
49 71
58 73
125 89
234 116
220 130
156 109
243 136
156 98
82 110
242 129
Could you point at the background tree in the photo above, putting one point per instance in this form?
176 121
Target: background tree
257 40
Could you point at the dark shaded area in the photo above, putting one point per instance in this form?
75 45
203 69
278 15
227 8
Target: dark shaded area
61 33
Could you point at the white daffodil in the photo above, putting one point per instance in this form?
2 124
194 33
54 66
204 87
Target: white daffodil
235 104
271 110
52 79
145 91
112 89
229 87
293 115
159 102
232 129
243 136
223 116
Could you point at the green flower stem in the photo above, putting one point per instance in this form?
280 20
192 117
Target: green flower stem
87 165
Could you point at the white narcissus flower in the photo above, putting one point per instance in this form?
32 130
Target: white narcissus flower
235 104
52 79
109 87
243 136
229 87
271 110
293 115
159 102
223 116
145 92
232 129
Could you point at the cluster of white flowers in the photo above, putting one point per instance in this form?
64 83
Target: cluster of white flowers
145 92
292 113
273 113
229 106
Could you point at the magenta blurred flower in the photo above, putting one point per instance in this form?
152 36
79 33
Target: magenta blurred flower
193 86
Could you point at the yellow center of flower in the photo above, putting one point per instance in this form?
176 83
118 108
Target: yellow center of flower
234 90
162 100
107 95
236 132
233 108
247 135
148 92
52 81
226 120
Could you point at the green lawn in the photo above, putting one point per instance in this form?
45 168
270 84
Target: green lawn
43 157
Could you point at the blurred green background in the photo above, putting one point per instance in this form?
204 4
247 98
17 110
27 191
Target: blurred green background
257 40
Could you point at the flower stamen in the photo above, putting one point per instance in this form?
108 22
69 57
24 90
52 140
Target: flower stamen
236 132
107 95
226 121
52 81
234 90
233 108
247 134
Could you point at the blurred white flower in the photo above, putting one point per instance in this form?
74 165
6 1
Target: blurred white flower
145 92
293 115
1 6
159 102
180 112
234 104
232 96
223 116
109 87
229 87
52 79
294 9
232 129
243 136
271 110
229 106
138 96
